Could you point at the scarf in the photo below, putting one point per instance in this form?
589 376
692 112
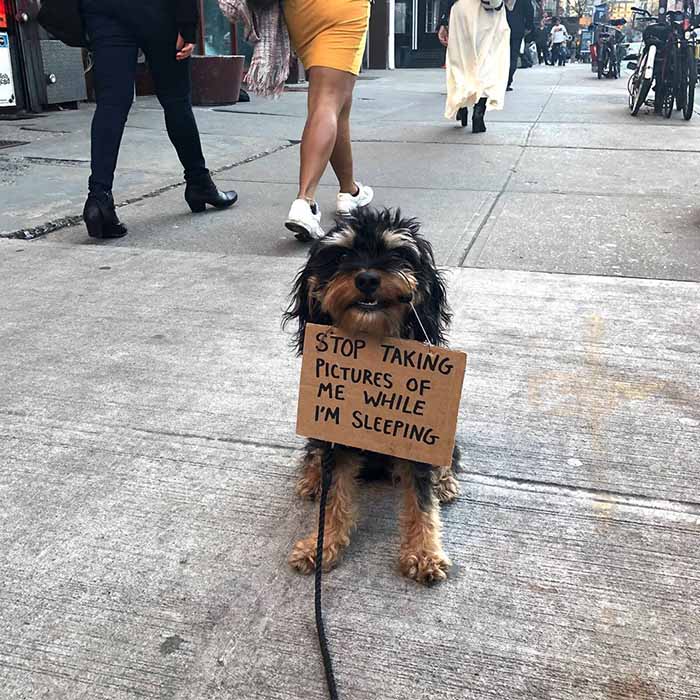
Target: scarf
272 50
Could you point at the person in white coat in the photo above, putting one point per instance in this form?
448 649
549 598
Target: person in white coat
477 37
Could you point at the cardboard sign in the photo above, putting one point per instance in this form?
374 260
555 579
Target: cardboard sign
397 397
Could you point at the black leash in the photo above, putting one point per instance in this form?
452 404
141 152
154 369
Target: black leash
327 462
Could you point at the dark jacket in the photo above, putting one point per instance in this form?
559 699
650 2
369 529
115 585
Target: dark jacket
62 18
186 16
521 18
445 8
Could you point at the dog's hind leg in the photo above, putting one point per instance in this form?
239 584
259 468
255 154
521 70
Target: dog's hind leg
446 485
309 483
341 514
421 557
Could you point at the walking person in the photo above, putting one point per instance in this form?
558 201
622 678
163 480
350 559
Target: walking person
558 38
540 38
165 31
329 37
521 21
477 37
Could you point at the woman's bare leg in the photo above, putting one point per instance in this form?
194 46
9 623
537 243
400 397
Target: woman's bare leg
330 93
341 158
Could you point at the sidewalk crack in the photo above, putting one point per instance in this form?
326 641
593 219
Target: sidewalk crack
513 170
28 234
593 494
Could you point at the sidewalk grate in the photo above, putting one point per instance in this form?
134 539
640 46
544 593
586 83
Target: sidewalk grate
12 144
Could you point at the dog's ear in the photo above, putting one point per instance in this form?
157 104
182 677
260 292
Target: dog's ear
433 310
304 307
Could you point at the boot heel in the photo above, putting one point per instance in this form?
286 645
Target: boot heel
94 223
196 207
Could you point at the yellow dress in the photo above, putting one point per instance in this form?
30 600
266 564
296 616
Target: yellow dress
328 33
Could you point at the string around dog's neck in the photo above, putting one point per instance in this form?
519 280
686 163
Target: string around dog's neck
422 327
415 313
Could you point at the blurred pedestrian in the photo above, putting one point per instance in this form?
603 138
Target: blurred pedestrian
477 37
540 39
521 21
329 37
558 38
166 32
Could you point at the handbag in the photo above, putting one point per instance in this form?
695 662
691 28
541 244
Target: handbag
62 19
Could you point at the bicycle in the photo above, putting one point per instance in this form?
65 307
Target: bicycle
685 65
640 82
669 55
608 53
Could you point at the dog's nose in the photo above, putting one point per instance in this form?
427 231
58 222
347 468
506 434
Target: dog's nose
368 282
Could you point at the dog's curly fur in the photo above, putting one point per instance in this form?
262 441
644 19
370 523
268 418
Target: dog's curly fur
360 277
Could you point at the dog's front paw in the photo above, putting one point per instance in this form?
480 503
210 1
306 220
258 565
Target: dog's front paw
447 489
425 567
308 486
303 556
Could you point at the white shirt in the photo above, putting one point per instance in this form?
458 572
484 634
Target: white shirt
559 35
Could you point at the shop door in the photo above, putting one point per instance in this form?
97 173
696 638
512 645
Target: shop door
415 34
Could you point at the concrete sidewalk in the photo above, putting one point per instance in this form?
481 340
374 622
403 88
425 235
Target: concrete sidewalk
148 397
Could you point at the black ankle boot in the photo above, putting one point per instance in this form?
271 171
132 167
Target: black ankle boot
202 191
101 218
463 116
478 125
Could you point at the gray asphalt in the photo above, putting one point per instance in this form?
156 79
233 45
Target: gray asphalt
147 402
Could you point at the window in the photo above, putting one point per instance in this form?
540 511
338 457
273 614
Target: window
217 31
432 16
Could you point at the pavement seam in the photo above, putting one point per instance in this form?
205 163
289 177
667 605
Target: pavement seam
129 252
530 146
513 170
40 160
568 273
600 495
561 193
68 221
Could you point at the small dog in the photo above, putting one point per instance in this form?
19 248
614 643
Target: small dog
362 278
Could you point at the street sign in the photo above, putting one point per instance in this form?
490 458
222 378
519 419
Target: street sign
7 85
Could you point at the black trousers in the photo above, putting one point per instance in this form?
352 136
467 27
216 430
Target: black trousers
515 41
558 55
117 29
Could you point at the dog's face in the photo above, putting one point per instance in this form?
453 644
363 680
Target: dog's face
363 276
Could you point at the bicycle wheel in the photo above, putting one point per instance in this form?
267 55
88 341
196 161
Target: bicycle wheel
692 80
671 82
667 105
601 63
639 87
681 79
641 96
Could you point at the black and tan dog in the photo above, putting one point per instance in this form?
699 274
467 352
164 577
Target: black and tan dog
362 278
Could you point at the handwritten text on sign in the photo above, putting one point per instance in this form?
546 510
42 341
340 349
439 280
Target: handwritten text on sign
397 397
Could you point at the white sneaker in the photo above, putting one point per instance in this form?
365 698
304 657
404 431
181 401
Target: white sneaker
304 220
346 203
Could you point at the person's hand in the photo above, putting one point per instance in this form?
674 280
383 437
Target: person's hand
443 35
184 50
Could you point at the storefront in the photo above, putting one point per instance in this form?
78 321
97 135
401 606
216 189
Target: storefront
42 71
220 58
415 30
403 34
